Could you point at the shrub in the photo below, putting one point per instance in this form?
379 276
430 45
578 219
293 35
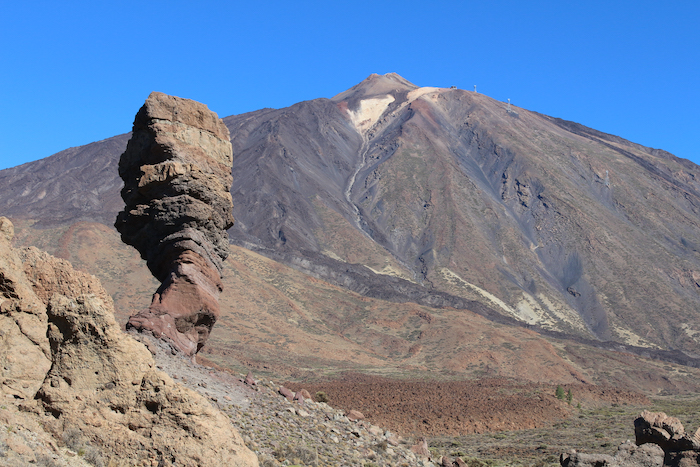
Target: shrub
266 461
92 456
559 392
73 438
321 397
298 454
45 461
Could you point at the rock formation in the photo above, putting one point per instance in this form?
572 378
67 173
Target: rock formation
660 440
628 455
680 448
667 432
177 176
24 348
67 370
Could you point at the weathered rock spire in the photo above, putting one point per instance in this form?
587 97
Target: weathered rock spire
177 176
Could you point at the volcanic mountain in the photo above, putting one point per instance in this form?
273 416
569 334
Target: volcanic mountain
439 197
543 220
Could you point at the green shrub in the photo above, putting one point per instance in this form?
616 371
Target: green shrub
560 392
321 397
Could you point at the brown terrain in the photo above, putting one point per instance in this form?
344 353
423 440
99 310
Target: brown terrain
423 256
454 408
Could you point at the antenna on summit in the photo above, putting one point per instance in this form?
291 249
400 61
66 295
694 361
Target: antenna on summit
475 88
509 105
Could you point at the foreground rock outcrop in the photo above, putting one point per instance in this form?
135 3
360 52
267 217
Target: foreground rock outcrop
177 176
660 440
67 365
628 455
25 356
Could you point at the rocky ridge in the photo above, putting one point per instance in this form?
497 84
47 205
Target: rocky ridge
177 177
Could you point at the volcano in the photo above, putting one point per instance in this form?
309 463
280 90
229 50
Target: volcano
434 198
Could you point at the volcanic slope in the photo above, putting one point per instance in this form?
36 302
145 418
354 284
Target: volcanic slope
543 220
451 197
280 322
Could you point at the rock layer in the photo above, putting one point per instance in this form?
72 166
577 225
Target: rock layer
177 176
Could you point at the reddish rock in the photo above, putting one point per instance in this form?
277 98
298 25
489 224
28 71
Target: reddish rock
446 461
459 462
249 379
421 448
306 394
286 393
299 397
355 415
177 176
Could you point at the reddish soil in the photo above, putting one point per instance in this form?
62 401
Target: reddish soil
454 408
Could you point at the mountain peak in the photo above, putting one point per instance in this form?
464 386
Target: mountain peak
375 84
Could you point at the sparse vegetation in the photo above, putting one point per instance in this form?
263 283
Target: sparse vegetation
321 397
43 460
297 454
93 456
74 440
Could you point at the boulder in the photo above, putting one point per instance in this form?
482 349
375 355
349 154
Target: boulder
177 176
421 448
667 432
355 415
286 393
628 455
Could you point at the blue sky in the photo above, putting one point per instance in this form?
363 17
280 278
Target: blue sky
76 72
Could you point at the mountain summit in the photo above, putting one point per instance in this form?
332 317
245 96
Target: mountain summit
375 85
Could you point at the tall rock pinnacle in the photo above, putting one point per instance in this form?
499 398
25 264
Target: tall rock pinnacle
177 176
